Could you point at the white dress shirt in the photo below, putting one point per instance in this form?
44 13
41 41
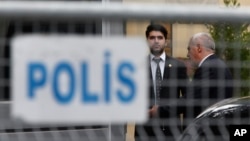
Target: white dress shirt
154 66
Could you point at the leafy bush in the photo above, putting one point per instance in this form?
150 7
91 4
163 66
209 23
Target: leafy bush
233 45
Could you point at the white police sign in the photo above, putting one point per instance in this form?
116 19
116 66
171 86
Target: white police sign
79 79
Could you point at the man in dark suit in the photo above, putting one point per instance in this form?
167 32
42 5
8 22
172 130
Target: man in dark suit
168 79
212 80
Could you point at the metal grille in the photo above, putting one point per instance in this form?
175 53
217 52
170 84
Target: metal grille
15 130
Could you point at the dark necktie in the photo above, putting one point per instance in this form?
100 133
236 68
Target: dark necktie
158 80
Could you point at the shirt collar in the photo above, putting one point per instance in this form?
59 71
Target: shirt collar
163 56
204 59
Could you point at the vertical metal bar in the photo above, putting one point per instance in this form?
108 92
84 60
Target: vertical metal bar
105 23
106 32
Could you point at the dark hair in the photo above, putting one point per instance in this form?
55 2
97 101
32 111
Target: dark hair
156 27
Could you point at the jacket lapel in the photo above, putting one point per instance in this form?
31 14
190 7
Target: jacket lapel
150 80
166 68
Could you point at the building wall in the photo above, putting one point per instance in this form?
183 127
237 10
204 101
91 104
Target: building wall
242 2
176 1
179 33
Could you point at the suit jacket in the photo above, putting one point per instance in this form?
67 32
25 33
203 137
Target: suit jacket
212 82
173 84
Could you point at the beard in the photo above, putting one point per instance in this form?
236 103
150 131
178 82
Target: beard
157 52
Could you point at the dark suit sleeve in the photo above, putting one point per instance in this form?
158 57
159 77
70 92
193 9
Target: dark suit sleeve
182 80
183 86
177 89
211 83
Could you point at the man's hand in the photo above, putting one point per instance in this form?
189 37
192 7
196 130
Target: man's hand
153 112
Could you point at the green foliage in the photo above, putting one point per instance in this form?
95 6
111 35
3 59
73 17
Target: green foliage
233 45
